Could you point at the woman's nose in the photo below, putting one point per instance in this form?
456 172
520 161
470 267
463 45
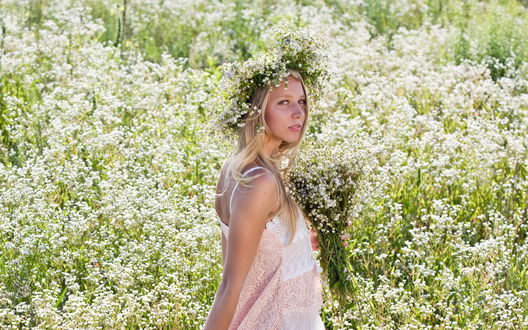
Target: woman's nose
298 110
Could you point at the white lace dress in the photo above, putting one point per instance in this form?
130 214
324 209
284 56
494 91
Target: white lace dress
283 287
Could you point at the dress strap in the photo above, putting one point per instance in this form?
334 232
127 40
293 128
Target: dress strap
236 185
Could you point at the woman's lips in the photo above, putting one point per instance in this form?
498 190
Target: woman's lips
295 128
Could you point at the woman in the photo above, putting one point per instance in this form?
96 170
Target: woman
270 279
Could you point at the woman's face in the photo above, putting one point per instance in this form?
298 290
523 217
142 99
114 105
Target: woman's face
286 108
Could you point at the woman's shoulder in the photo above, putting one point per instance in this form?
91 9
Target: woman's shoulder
268 184
256 201
263 179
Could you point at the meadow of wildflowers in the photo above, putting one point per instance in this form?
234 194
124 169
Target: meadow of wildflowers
108 170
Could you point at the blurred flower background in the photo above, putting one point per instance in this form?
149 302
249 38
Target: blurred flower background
107 172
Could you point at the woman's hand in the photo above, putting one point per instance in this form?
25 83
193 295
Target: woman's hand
314 239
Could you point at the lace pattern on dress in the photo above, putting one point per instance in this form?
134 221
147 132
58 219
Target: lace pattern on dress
298 254
281 228
283 288
261 289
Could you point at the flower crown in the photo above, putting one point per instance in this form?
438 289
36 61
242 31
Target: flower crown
290 50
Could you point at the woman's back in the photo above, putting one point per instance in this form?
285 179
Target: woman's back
282 289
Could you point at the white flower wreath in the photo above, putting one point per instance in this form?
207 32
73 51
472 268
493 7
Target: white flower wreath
290 50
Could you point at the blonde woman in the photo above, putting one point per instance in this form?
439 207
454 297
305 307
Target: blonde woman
271 279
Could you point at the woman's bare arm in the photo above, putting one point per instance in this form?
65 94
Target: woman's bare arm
224 248
248 219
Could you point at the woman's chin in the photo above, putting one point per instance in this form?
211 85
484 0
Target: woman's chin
292 139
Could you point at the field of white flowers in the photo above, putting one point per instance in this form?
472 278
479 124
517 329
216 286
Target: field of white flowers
107 172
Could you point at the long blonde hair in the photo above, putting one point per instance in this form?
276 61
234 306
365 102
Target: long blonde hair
250 150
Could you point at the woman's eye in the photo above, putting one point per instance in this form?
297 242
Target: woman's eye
302 101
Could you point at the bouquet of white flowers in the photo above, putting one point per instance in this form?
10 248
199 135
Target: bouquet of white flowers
324 181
